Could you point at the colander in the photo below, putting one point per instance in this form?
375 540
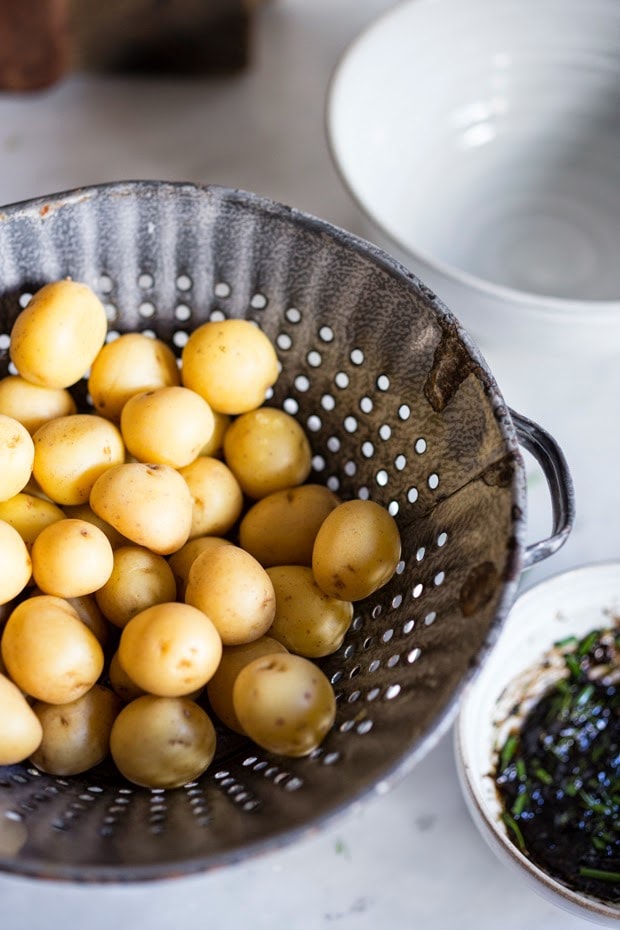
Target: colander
399 406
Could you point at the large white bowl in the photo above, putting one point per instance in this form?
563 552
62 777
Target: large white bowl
481 140
572 603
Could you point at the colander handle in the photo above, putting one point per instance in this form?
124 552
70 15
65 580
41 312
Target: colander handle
551 459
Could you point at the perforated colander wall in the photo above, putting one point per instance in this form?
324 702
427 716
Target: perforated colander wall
399 407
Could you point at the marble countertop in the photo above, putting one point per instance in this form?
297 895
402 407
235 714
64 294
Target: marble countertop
411 857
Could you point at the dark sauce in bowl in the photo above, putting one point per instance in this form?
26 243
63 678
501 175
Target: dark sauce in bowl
558 773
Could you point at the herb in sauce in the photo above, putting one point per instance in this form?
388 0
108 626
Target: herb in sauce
558 774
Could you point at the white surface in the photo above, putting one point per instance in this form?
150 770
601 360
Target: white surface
411 858
502 183
515 676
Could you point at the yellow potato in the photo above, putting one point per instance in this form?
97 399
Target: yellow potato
85 512
234 591
16 457
169 425
356 550
162 742
15 563
170 649
71 558
76 736
139 579
88 611
48 652
216 495
71 452
280 529
234 658
56 337
285 703
29 515
214 447
231 363
308 622
129 365
181 561
32 404
20 730
267 451
121 683
149 504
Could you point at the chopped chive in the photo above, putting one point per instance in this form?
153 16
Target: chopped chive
543 775
585 694
520 803
602 874
508 750
588 642
567 641
573 665
514 827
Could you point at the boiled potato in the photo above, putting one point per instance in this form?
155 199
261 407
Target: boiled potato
231 363
181 561
55 338
170 649
29 515
76 736
128 365
307 621
20 730
48 652
284 703
216 495
356 550
234 658
15 563
71 452
71 558
16 457
169 425
267 451
139 579
162 742
149 504
32 404
280 529
234 591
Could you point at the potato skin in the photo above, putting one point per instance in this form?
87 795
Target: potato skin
16 457
139 579
71 558
168 425
234 658
32 404
162 742
29 515
216 495
15 563
20 730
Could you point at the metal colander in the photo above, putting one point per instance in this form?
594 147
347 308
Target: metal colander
399 406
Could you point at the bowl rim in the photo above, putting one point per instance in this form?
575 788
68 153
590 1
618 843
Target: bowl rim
590 907
598 310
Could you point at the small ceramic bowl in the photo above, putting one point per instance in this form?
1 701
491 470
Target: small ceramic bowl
481 142
570 604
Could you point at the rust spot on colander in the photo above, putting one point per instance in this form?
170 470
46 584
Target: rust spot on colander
452 364
478 588
500 474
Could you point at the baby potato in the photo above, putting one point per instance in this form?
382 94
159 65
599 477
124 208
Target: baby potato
168 426
20 730
149 504
85 512
32 404
162 742
120 682
71 452
216 495
181 561
56 337
29 515
71 558
234 591
214 446
280 528
129 365
267 451
356 550
88 611
308 622
76 736
234 658
15 563
48 652
285 703
16 457
231 363
170 649
139 579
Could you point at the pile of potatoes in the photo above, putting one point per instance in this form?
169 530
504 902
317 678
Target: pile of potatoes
164 562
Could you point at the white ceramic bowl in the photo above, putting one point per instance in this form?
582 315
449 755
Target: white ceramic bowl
572 603
481 140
